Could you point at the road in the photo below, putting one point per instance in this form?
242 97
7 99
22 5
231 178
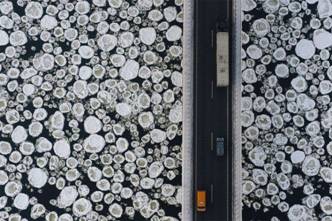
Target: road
212 116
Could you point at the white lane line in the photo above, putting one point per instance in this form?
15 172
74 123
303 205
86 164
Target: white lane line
212 87
228 152
212 38
211 140
211 192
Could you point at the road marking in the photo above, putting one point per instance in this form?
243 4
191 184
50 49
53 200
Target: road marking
211 192
212 84
211 140
228 152
212 36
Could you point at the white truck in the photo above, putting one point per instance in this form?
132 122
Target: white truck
222 56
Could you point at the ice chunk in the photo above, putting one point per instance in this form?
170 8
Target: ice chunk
147 35
123 109
158 135
305 49
126 39
4 39
145 119
248 5
257 156
67 196
297 212
82 207
174 33
324 8
18 38
326 205
94 143
254 52
326 174
13 188
325 87
62 148
19 135
299 84
122 144
48 22
34 10
155 169
44 62
310 166
115 210
322 39
297 156
130 70
21 201
37 177
80 89
92 125
261 27
57 121
5 148
107 42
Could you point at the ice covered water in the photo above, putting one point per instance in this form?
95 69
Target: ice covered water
91 106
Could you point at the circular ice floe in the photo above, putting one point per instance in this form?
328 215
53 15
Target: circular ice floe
297 156
122 145
174 33
67 196
326 205
18 38
322 39
254 52
107 42
310 166
282 70
44 62
21 201
34 10
297 212
299 84
147 35
130 70
305 49
92 125
126 39
37 177
86 52
4 38
123 109
116 210
155 169
326 174
19 135
261 27
5 148
158 135
48 22
145 119
80 89
248 186
82 207
325 87
94 143
62 148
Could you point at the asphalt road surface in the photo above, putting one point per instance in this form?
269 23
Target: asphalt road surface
212 116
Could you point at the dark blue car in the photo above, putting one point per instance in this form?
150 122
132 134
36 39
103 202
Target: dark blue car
220 146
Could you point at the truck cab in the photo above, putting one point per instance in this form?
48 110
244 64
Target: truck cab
201 200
